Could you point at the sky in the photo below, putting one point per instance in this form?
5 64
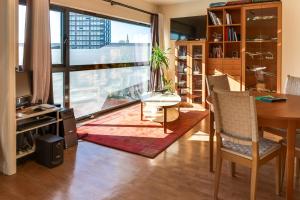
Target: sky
119 30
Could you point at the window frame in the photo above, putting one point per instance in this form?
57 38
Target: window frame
66 68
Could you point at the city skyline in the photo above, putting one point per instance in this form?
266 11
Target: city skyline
119 30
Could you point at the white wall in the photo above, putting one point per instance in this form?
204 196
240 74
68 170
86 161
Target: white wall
104 8
175 11
291 30
291 38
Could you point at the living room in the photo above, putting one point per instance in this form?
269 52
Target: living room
149 99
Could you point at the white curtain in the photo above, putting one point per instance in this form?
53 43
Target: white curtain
8 62
40 51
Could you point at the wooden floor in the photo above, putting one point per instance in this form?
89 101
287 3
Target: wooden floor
96 172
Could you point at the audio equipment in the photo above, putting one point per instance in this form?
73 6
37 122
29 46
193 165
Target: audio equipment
68 128
50 150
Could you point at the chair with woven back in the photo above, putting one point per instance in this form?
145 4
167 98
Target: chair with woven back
238 138
219 82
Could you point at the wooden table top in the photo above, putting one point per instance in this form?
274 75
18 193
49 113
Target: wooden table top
287 110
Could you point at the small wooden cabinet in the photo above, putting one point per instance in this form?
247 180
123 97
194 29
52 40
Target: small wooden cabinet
244 42
190 71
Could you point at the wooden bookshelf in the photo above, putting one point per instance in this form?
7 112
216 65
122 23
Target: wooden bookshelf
190 71
239 30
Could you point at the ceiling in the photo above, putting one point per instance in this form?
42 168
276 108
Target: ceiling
168 2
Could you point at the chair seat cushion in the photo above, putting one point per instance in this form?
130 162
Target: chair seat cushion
265 148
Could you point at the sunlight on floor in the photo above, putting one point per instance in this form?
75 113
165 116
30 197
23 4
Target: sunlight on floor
200 136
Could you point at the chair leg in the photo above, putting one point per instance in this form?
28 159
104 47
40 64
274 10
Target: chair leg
211 152
278 174
297 167
233 169
211 141
217 175
283 160
254 171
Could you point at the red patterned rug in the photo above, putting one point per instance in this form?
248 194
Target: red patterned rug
125 131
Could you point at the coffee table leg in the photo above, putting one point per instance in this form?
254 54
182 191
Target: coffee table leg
142 111
165 119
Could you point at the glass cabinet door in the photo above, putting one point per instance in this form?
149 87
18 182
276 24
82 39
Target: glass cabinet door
181 71
261 45
197 73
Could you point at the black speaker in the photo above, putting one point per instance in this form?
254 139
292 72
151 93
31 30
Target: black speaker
49 150
68 128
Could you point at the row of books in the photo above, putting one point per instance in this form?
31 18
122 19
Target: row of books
216 52
228 19
215 20
231 35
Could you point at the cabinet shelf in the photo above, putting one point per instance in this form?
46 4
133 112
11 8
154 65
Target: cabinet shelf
261 41
26 153
215 26
232 41
195 62
228 25
215 42
257 29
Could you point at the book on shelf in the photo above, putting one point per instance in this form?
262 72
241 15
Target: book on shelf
215 20
217 52
231 35
237 2
217 4
228 19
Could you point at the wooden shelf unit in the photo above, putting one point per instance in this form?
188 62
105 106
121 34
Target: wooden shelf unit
25 128
190 72
234 59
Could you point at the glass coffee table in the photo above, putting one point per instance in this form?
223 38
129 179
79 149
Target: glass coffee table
164 102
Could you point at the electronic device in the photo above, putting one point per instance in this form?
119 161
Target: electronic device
38 109
188 28
68 128
28 123
49 150
23 89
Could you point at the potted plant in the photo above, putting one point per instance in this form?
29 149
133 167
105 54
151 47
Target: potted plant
160 63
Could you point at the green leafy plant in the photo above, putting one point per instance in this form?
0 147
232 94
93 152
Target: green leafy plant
168 85
159 58
160 63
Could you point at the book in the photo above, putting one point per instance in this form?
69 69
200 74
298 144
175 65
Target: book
228 19
215 20
217 4
270 99
237 2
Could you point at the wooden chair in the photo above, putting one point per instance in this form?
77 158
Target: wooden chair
238 138
220 82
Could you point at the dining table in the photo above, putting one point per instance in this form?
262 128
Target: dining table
283 115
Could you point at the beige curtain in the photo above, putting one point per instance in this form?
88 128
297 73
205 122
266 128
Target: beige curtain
37 55
8 62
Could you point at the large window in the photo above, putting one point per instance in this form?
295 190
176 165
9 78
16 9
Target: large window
22 17
58 87
56 36
96 90
95 40
105 63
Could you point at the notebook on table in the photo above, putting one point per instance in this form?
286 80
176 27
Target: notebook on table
270 99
